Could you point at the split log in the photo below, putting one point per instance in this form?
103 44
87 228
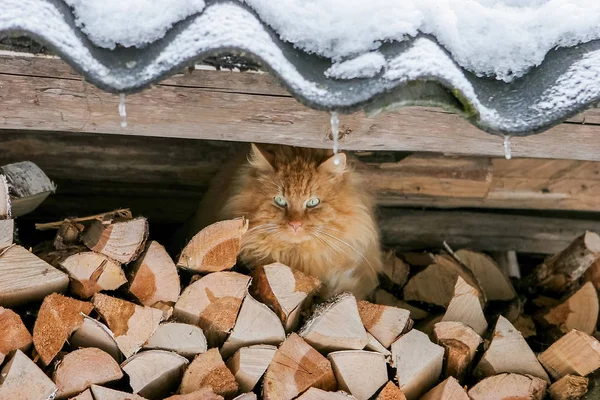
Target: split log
13 333
418 363
26 278
576 353
569 387
154 277
78 370
450 389
5 206
249 364
592 274
68 235
85 395
385 323
509 352
391 392
375 345
295 367
358 372
213 303
202 394
560 272
28 186
256 324
184 339
494 283
7 229
460 343
131 324
385 298
93 333
120 239
508 263
23 380
509 387
318 394
285 290
102 393
154 373
436 283
92 272
466 308
214 248
580 311
418 259
209 370
57 319
395 272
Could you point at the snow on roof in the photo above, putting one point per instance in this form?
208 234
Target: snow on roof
512 66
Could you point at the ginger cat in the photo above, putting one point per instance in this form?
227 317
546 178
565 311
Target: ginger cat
305 211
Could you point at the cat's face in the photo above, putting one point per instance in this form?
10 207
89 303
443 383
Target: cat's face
295 195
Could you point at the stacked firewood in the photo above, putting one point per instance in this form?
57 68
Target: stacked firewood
100 313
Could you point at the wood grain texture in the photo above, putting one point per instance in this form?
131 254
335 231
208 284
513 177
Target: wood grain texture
44 94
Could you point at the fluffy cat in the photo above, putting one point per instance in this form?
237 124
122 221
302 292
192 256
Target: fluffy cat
308 212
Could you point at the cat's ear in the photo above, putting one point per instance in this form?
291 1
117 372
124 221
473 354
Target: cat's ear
260 158
334 165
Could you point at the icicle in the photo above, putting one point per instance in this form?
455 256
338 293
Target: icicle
335 132
122 110
507 152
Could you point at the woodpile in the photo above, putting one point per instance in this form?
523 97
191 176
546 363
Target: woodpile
103 313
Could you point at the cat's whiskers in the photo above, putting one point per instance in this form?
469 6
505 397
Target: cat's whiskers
332 245
270 225
350 246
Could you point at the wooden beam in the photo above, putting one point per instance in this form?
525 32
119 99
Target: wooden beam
42 93
413 230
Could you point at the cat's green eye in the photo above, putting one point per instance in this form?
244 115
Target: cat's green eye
313 202
280 201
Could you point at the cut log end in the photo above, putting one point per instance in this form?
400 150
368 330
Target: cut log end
154 277
358 372
569 387
121 240
22 379
509 386
391 392
184 339
92 272
576 353
13 333
248 365
209 370
450 389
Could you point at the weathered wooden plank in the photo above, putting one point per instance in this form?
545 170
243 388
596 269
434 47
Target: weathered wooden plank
252 107
412 230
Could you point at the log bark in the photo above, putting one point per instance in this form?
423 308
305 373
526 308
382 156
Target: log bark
57 319
576 353
460 343
450 389
13 333
28 186
358 372
249 364
256 324
509 352
569 387
23 380
285 290
154 277
418 363
82 368
215 248
509 386
154 373
184 339
336 325
209 370
93 333
131 324
560 272
385 323
121 240
26 278
494 283
213 302
91 272
391 392
296 366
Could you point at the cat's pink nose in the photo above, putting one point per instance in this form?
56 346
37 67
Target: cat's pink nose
295 225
